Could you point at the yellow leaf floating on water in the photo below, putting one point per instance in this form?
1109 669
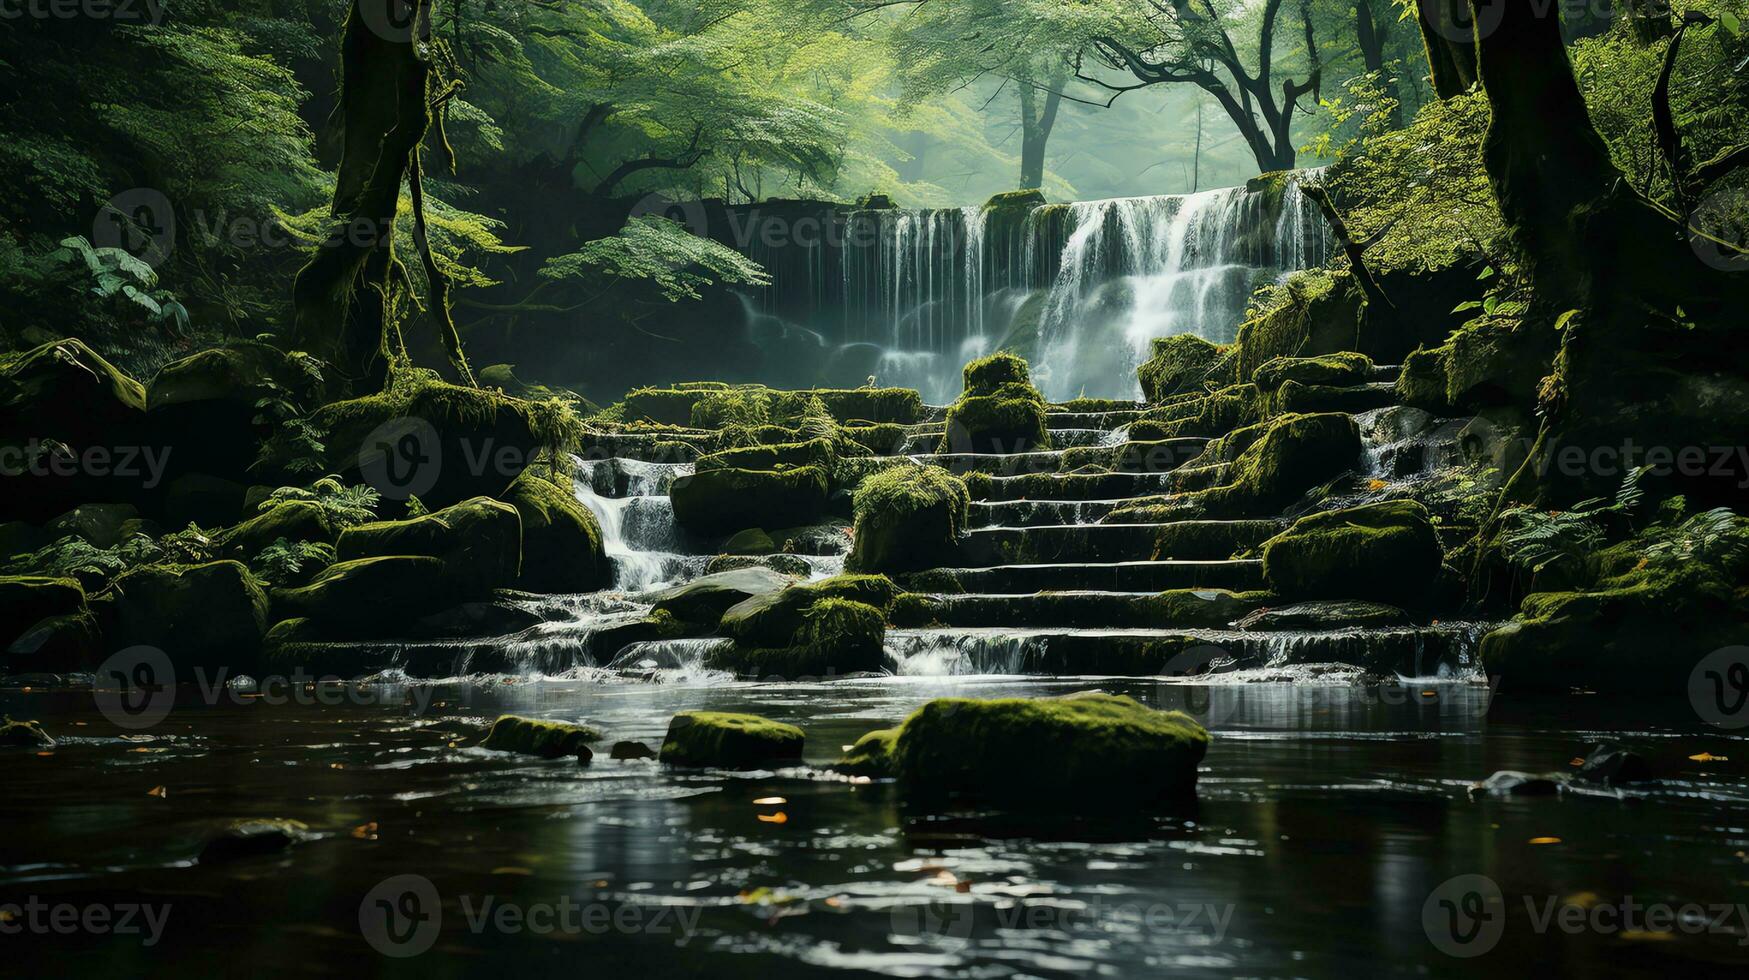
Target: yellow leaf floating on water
778 817
1575 761
1376 485
1545 840
1642 936
158 791
1708 757
510 870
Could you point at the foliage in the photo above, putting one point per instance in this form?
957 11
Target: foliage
661 252
345 506
282 562
75 557
1716 536
1535 540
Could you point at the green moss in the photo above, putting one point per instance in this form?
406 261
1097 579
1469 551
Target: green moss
729 741
836 636
1000 411
871 756
1027 199
1342 369
814 452
478 540
24 735
987 375
775 618
1388 552
535 736
723 501
893 406
1178 364
908 518
1048 753
663 406
916 611
884 439
1315 312
1295 454
28 600
562 548
1210 414
1205 608
1422 381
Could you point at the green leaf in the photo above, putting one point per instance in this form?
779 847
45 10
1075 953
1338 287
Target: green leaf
1730 22
1474 304
1564 319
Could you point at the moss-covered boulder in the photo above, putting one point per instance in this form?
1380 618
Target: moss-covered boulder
102 525
208 616
722 740
1319 312
723 501
1287 456
812 452
562 549
26 601
67 392
836 636
1000 411
704 600
373 597
1179 364
908 518
536 736
480 540
871 756
773 618
1387 552
1337 370
1051 754
293 520
1659 606
874 406
241 372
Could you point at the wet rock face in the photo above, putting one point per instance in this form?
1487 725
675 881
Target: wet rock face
213 615
724 501
24 735
562 547
704 600
254 838
479 541
724 740
1386 552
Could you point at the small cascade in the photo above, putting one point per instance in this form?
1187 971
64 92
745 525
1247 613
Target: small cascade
630 500
672 661
927 653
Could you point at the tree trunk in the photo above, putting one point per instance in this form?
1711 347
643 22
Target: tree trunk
1372 53
1036 123
340 297
1447 30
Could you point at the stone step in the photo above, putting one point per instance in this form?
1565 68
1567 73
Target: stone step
1121 576
1135 457
1182 540
1406 651
1081 610
995 464
1071 486
1091 420
1034 513
927 438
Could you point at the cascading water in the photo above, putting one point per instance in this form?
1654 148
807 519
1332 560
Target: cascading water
630 500
1081 289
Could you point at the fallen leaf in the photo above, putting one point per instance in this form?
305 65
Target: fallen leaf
778 817
509 870
158 791
1708 757
1545 840
1575 761
365 831
1642 936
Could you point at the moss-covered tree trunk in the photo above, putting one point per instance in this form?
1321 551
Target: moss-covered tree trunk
1451 49
341 296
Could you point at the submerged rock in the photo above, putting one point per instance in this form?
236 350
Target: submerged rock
631 750
1043 753
1612 765
534 736
1388 552
723 740
254 838
24 735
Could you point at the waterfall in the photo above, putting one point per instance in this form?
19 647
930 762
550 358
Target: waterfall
1081 290
629 498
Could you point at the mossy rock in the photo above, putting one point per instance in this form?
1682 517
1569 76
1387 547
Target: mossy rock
1011 420
1178 364
1322 314
785 564
536 736
774 618
24 735
704 600
871 756
722 740
480 540
1046 754
1642 628
504 378
662 406
241 372
66 391
465 442
1421 384
207 616
987 375
373 597
1339 370
813 452
26 600
1206 608
1022 199
908 518
1294 454
57 644
293 520
562 548
753 541
724 501
836 636
915 610
1386 552
872 406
